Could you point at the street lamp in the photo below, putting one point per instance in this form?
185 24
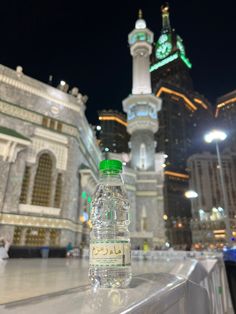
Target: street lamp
218 136
191 194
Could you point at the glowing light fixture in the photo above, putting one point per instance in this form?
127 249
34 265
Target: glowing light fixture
190 194
62 83
85 214
188 103
165 217
113 118
164 62
199 101
170 59
220 105
186 60
81 218
83 195
176 174
98 128
215 136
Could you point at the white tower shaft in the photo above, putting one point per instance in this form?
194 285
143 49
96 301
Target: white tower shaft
141 74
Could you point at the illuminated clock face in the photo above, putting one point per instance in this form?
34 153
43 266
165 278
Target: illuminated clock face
163 50
163 38
180 46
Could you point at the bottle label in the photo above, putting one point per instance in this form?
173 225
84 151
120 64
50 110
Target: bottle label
110 253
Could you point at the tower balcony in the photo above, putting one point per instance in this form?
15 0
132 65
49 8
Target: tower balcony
142 123
142 112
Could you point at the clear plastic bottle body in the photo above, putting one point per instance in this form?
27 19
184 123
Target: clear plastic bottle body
109 237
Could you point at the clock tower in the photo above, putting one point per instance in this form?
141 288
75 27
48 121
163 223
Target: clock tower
184 115
169 61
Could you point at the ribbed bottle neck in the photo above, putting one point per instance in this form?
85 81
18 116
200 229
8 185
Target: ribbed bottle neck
113 177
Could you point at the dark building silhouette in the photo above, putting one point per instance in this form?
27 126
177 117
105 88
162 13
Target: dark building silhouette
113 136
183 119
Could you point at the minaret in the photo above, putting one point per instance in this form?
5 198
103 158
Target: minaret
142 106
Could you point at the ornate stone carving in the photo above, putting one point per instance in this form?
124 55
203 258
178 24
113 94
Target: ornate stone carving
48 140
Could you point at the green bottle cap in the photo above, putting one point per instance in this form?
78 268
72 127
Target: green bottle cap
110 165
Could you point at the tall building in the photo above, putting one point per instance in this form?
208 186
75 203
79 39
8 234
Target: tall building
183 119
48 162
226 117
170 50
112 132
208 226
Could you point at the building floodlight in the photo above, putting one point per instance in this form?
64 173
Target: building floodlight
214 136
191 194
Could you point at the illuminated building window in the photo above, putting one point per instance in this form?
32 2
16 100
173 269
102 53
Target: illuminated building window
59 126
43 181
25 186
35 236
54 237
45 121
57 198
52 124
17 235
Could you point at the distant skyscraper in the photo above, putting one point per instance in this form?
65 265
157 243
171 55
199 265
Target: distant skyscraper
182 120
208 226
226 118
113 135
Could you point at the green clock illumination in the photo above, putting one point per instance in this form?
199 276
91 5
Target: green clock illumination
163 50
163 38
180 46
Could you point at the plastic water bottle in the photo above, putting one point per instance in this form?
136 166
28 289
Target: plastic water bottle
110 253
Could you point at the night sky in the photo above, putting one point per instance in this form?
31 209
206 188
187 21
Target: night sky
85 44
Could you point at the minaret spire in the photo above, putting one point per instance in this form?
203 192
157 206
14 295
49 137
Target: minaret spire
140 14
165 17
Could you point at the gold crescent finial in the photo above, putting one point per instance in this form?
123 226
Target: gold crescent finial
140 14
165 8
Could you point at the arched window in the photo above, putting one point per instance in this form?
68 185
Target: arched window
43 181
143 156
